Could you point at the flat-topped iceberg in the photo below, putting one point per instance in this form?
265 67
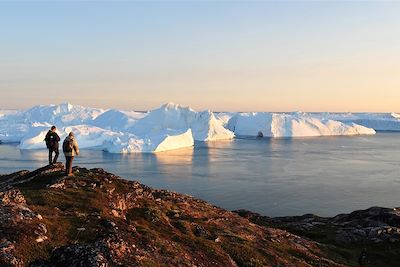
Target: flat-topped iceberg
291 125
377 121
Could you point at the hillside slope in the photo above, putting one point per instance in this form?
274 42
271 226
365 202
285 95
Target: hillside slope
99 219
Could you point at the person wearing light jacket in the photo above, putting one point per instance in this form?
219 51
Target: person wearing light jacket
70 149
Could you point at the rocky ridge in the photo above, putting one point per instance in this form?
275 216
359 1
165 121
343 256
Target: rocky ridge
98 219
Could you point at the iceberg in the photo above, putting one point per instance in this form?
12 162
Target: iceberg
114 142
12 132
264 124
88 136
18 125
205 126
395 115
377 121
34 138
117 120
62 114
224 117
169 127
156 143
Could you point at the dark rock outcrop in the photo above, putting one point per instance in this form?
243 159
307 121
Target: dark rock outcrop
376 229
73 255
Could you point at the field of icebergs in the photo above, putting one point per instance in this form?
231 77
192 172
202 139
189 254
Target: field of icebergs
173 126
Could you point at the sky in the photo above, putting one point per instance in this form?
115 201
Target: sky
218 55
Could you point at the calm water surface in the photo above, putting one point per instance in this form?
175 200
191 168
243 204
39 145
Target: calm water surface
324 175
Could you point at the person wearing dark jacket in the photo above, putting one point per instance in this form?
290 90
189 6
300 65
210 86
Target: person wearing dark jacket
52 142
70 149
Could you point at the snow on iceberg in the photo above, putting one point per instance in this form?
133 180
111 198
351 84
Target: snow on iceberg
63 114
117 120
290 125
17 125
224 117
156 143
204 125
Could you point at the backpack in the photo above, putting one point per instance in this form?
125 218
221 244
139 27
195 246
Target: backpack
68 145
49 140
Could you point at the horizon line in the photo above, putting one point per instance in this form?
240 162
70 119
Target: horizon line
188 106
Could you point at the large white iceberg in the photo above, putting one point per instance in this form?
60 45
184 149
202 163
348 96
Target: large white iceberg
204 125
115 142
290 125
159 142
169 127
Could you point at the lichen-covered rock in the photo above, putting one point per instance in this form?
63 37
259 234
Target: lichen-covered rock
12 197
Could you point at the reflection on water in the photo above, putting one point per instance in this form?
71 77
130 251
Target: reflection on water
174 157
285 176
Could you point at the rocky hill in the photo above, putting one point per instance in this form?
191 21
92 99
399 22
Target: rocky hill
375 230
98 219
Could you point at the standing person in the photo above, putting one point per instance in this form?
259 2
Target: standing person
70 149
52 142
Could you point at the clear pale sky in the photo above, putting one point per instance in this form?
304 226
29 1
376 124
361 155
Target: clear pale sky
224 56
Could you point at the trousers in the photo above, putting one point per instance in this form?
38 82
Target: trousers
68 164
56 152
